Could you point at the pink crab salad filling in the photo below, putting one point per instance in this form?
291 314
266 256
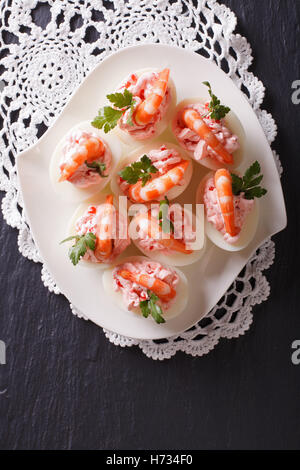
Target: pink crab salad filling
141 88
75 146
88 222
183 229
242 207
163 159
192 141
132 292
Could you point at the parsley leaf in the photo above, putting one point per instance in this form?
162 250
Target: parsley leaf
253 170
249 184
237 184
156 310
82 243
140 170
108 117
130 116
216 110
253 182
164 222
144 306
129 174
90 240
121 100
97 167
150 307
255 192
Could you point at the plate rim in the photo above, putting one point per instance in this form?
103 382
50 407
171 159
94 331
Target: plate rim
22 155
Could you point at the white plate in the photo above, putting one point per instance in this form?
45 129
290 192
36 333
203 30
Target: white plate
49 216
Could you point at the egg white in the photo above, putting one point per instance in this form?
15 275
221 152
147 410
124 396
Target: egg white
94 201
68 190
232 122
177 307
135 154
172 258
160 127
248 230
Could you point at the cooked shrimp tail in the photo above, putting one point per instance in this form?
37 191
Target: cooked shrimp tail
89 149
149 107
163 290
223 183
158 187
104 244
194 121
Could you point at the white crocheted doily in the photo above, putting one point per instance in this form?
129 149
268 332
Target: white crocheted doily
44 63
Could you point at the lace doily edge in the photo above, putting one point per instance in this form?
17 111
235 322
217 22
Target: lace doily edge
266 121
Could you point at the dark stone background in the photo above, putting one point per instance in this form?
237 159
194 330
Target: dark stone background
66 387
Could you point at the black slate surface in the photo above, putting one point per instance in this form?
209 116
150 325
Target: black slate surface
66 387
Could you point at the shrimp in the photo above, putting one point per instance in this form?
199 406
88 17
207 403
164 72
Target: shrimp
159 287
104 245
149 107
223 183
159 186
194 121
154 231
85 148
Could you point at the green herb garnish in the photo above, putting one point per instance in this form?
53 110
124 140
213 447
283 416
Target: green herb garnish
129 120
121 100
216 110
82 243
140 170
108 117
249 184
97 167
164 222
150 307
